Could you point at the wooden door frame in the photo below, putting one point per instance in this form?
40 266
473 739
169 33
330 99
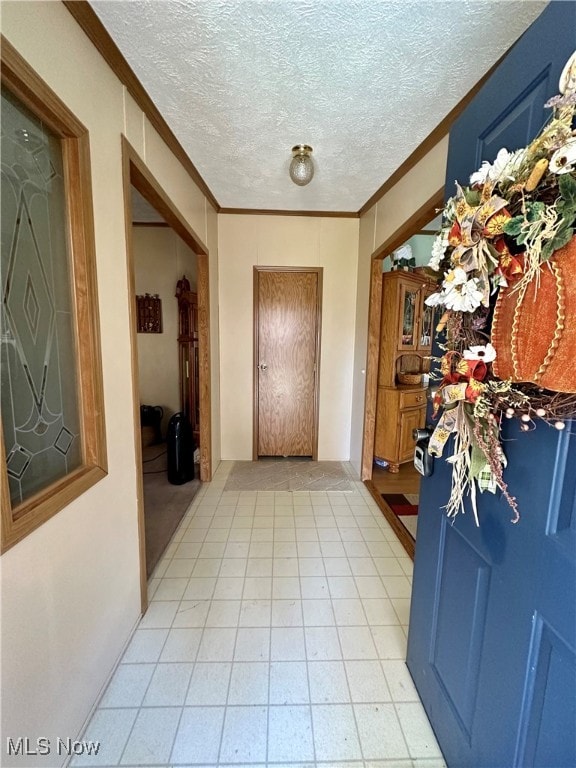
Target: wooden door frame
135 173
319 271
412 226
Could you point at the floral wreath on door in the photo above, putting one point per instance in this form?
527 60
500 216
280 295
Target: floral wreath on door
506 254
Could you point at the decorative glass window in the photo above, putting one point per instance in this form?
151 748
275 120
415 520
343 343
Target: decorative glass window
51 389
40 404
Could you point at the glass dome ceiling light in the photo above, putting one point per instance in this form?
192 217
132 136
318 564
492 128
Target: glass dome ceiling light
301 166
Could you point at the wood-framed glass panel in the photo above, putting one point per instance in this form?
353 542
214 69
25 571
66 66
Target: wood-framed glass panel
409 307
53 438
427 322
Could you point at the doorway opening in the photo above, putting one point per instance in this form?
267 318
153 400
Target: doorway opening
392 408
167 372
153 455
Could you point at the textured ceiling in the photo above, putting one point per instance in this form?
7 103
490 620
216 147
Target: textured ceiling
364 82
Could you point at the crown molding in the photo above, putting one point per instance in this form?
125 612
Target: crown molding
150 224
91 25
271 212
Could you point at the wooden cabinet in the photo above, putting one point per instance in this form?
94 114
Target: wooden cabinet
188 354
407 325
399 410
406 331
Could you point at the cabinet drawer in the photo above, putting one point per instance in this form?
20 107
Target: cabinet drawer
412 399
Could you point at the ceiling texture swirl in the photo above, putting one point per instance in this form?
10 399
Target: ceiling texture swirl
364 82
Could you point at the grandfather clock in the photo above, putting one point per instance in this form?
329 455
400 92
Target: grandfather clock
188 354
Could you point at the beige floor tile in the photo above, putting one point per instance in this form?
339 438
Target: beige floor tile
276 634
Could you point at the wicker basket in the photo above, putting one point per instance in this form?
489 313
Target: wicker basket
409 378
409 369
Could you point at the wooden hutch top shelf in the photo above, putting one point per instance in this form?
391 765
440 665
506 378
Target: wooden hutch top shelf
407 325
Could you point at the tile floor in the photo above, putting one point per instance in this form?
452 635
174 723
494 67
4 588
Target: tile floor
276 635
288 474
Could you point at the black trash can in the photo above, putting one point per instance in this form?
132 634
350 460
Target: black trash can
180 450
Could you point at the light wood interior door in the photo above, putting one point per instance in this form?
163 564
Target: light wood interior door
287 340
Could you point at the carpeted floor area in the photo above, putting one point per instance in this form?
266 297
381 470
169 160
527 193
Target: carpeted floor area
405 507
400 504
410 522
290 474
164 504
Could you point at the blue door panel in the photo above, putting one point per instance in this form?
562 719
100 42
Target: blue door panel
534 64
492 677
551 681
550 725
493 619
519 122
458 628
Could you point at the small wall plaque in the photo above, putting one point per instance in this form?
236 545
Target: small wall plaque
149 313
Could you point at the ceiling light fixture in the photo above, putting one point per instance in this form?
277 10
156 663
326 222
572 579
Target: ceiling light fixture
301 166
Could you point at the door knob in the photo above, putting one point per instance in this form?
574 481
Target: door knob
263 367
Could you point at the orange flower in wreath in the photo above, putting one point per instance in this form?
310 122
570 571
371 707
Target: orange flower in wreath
509 266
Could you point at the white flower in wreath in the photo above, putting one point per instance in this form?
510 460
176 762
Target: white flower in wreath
449 212
471 295
504 166
438 250
458 292
564 159
484 352
455 277
464 297
435 299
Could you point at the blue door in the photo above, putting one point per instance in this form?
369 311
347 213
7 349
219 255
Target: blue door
492 636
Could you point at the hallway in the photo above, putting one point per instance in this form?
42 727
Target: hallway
275 634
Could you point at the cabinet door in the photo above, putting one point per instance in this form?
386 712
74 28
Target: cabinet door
409 307
386 424
427 321
409 420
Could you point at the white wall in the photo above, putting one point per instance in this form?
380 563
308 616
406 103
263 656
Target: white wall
161 257
245 241
421 251
70 591
378 224
422 248
212 243
366 247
